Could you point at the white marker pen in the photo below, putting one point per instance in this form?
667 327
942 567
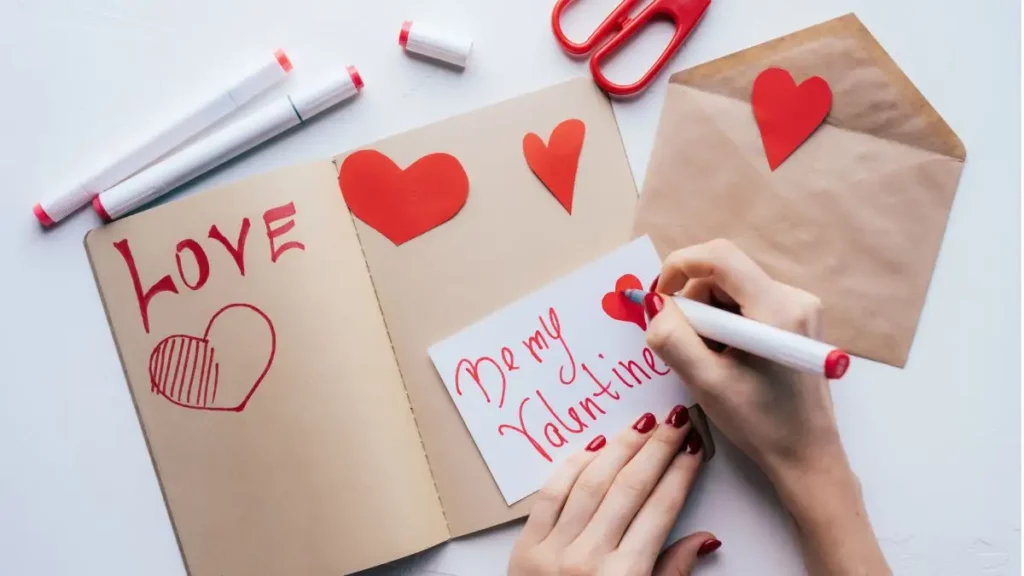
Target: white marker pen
225 144
768 342
56 208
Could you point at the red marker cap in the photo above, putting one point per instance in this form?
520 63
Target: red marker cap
836 364
98 207
283 60
43 217
403 36
356 78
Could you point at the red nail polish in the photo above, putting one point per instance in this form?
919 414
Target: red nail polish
654 285
709 546
693 442
596 444
653 303
678 417
645 424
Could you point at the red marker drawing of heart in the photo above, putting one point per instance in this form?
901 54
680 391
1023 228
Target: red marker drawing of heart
787 114
219 370
618 307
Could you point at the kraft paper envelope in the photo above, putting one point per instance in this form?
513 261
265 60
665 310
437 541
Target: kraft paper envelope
856 215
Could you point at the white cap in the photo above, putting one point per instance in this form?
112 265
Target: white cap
433 43
333 91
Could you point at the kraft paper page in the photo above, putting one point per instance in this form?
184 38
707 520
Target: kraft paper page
265 381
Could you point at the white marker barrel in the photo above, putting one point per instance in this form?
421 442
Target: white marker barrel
437 44
232 140
214 109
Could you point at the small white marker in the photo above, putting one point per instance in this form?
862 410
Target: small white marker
58 207
223 145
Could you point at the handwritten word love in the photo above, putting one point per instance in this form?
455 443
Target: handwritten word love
534 344
196 252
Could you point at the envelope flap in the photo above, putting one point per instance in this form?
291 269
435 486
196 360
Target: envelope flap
871 93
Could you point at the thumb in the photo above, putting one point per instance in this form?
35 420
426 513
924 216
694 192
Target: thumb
672 338
680 558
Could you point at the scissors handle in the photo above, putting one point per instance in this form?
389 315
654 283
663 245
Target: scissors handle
685 14
607 27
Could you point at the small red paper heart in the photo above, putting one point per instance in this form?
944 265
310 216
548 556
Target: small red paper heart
214 371
556 163
402 204
788 114
618 307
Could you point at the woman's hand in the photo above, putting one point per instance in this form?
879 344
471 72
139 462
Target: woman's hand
781 418
609 509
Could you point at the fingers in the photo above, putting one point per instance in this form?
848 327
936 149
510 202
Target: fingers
655 518
634 484
551 498
680 558
720 261
672 338
593 483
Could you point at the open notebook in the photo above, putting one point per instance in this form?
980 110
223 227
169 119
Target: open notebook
276 346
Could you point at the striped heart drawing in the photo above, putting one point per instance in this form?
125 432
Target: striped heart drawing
219 370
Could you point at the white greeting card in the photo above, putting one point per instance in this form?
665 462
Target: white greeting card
539 379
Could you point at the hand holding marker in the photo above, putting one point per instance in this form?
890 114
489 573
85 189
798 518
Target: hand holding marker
223 104
232 140
786 348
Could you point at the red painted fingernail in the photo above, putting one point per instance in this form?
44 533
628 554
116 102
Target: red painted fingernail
596 444
709 546
654 285
694 442
653 303
645 424
678 417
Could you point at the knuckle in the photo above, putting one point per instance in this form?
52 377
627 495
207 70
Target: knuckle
590 486
633 485
721 247
576 563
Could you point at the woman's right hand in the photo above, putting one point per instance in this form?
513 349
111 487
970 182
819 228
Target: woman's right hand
783 419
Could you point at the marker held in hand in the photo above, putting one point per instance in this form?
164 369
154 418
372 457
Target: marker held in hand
786 348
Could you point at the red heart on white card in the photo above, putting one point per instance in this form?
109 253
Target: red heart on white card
618 307
219 370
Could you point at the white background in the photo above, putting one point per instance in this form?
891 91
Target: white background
937 445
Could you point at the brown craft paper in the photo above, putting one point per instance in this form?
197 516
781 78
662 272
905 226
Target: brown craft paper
856 215
510 238
322 473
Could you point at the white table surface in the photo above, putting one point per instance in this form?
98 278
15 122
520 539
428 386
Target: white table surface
937 445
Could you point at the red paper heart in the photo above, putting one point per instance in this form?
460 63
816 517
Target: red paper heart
618 307
788 114
402 204
214 371
556 163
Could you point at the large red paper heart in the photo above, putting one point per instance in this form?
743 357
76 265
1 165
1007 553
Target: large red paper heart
788 114
216 371
402 204
618 307
556 163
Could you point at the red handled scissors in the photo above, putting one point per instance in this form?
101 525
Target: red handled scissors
620 27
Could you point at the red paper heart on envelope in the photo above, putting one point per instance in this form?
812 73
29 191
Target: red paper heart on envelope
788 114
216 371
618 307
556 163
402 204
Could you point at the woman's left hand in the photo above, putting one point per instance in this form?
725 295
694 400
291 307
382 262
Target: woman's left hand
609 509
